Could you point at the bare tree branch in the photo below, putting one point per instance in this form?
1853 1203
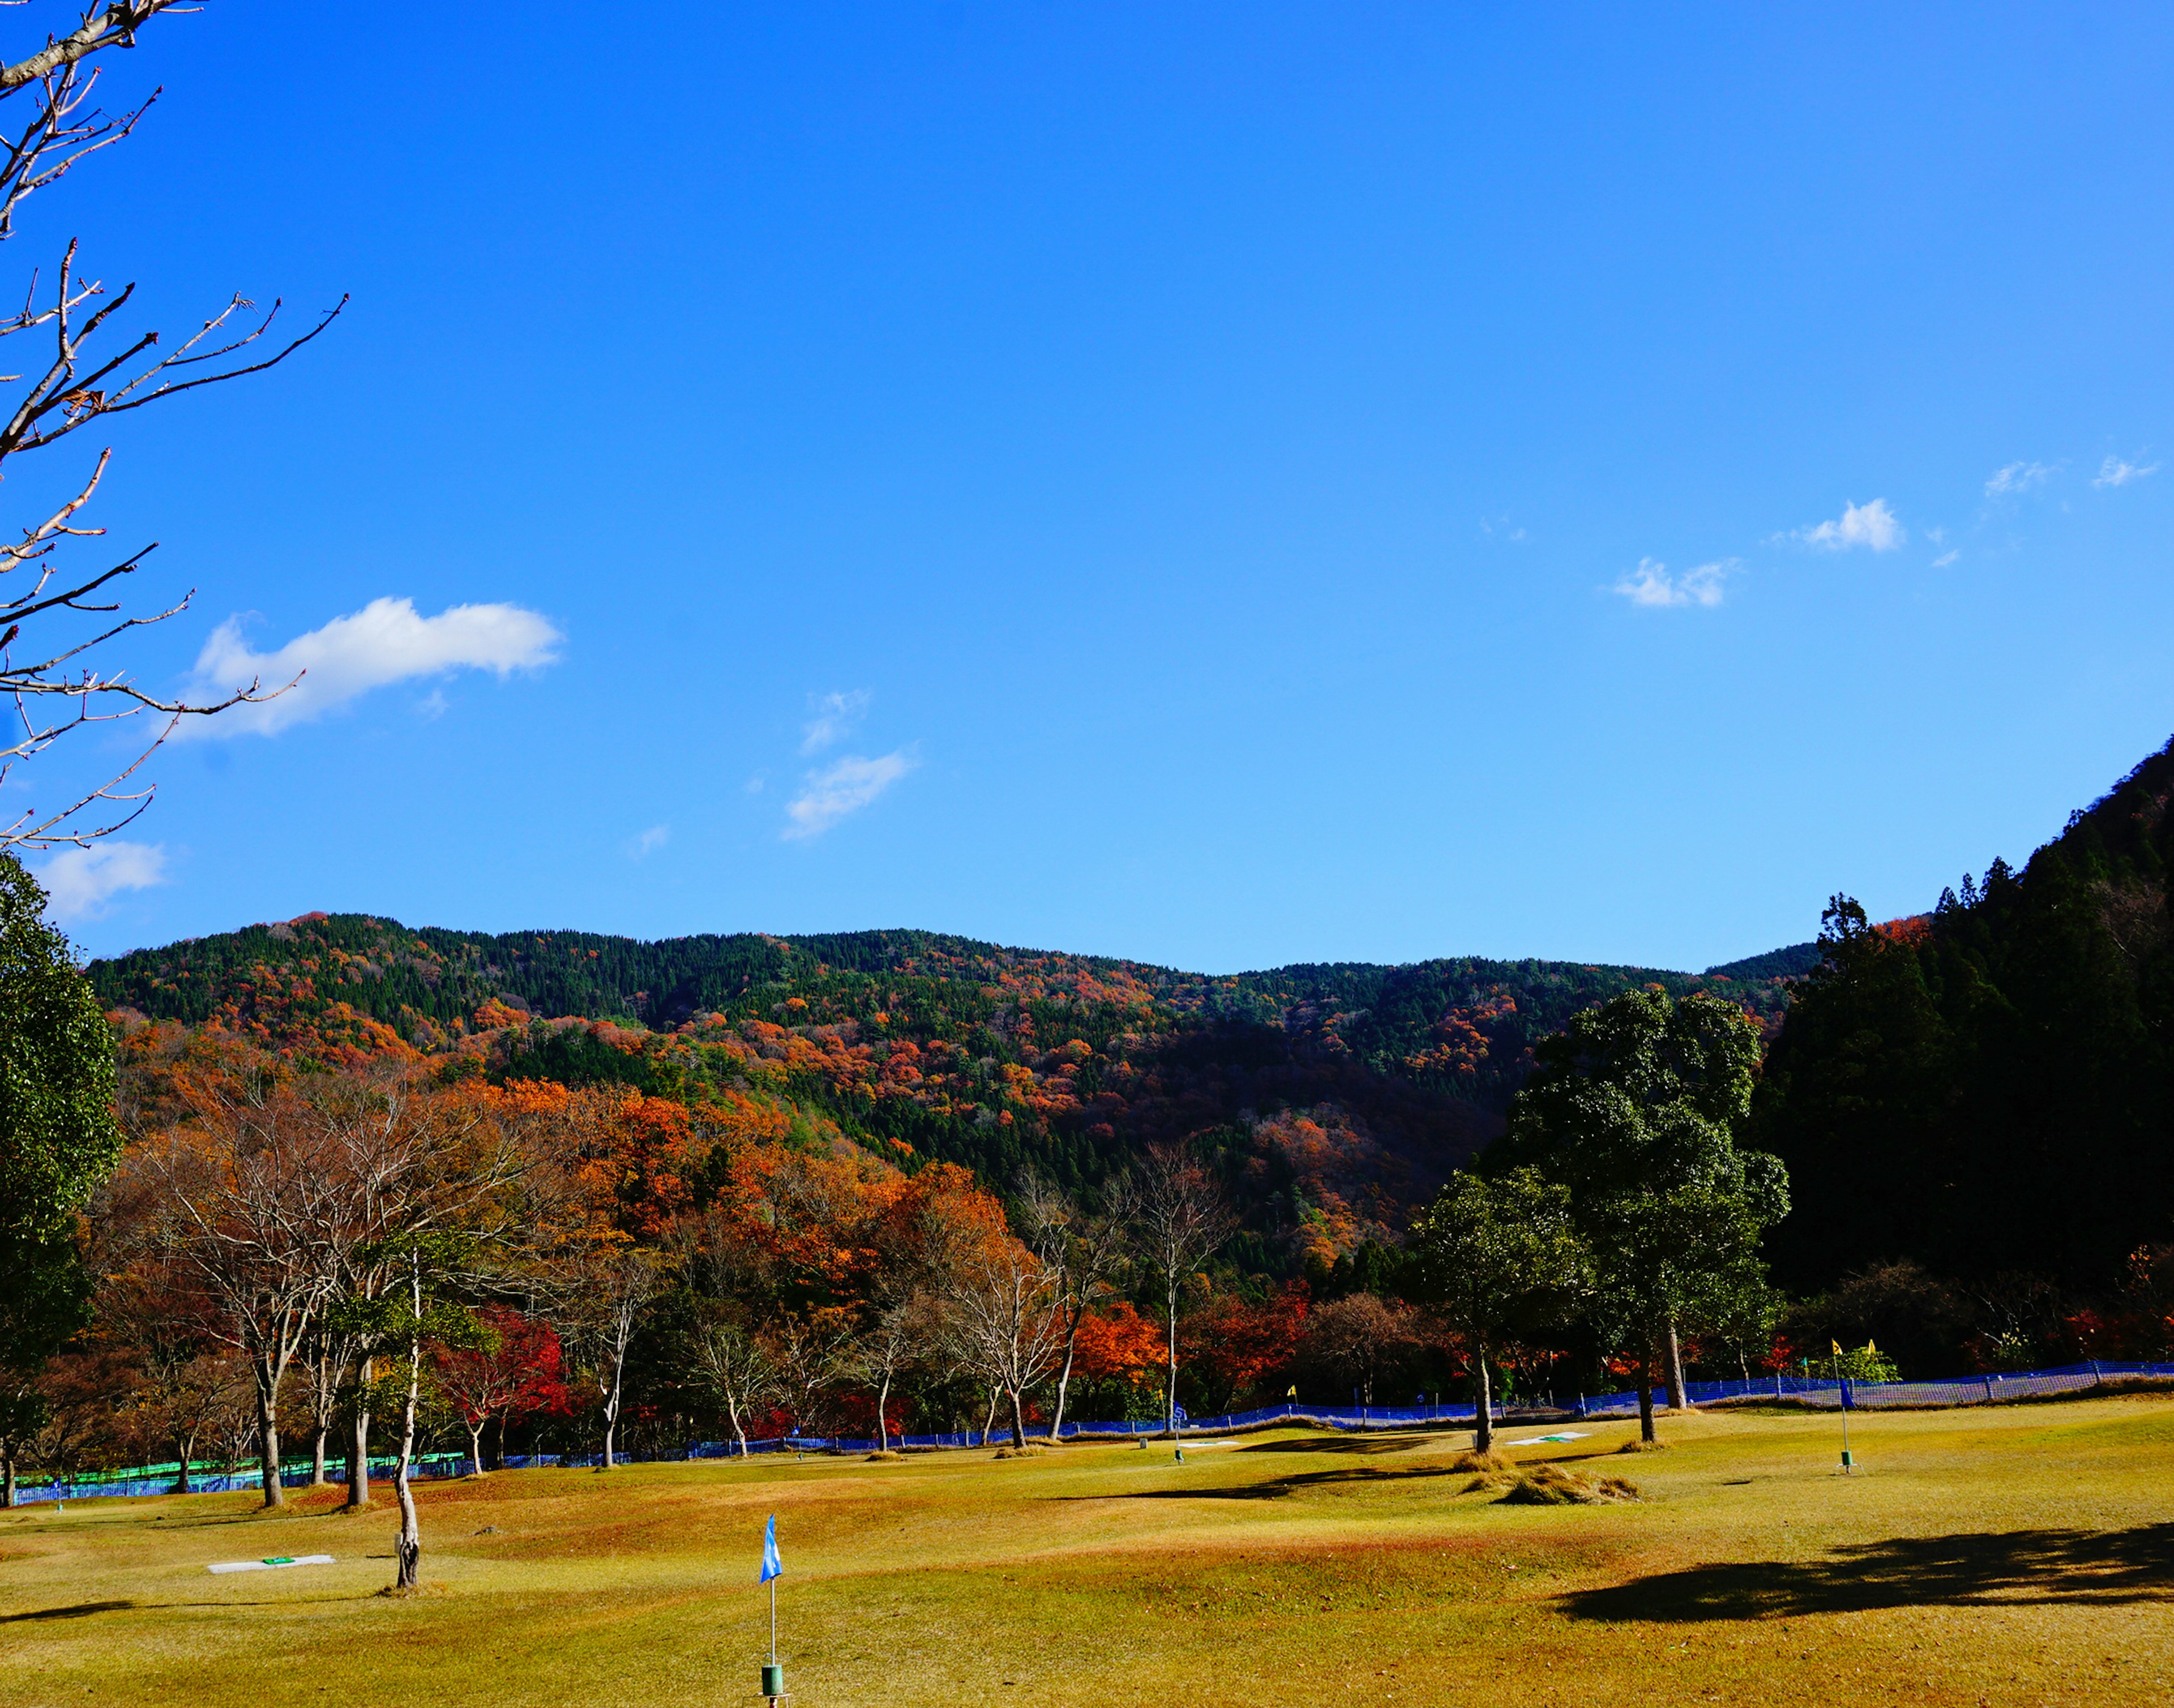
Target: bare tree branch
73 388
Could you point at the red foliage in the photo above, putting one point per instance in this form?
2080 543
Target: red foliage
1228 1345
521 1376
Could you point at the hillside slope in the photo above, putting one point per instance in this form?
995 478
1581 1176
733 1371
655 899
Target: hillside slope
1989 1089
1338 1096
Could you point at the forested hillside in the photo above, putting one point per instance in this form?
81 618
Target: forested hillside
1989 1089
1337 1096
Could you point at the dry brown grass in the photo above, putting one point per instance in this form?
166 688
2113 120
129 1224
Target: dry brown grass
2001 1556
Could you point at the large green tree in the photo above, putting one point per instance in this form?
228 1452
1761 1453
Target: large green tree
59 1140
1635 1108
1495 1255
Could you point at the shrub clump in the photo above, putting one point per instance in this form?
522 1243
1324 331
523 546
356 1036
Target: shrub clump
1550 1485
1483 1462
1635 1445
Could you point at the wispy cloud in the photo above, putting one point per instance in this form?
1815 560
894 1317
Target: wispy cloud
1501 527
841 788
79 882
2113 472
1946 558
384 642
836 716
649 841
1872 525
1651 584
2018 477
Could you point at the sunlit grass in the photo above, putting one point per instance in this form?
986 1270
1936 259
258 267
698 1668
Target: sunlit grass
2020 1556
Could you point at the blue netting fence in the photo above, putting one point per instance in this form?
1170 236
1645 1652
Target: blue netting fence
1820 1392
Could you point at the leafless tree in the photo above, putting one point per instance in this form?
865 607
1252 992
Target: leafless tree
86 373
1087 1250
1005 1321
616 1280
812 1355
731 1362
1182 1220
250 1204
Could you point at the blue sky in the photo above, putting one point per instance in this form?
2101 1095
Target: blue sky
1222 485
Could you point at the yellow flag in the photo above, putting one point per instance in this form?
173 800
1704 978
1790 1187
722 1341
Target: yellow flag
1871 1348
1837 1345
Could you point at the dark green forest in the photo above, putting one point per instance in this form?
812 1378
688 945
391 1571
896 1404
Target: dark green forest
1988 1090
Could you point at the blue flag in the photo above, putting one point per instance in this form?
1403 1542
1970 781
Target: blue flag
771 1566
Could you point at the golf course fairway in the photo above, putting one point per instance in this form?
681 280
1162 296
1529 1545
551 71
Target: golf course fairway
1998 1555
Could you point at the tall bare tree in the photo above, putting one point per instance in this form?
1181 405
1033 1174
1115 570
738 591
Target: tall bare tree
1006 1325
52 621
250 1204
731 1361
1182 1220
617 1280
1087 1250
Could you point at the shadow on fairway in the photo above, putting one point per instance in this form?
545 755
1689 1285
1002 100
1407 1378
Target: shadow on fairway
1276 1487
2108 1568
81 1610
1346 1444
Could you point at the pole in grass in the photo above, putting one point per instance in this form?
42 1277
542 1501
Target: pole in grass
1848 1463
773 1675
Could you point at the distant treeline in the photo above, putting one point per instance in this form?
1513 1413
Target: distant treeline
1989 1089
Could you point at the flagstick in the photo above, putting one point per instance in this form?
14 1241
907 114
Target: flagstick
773 1622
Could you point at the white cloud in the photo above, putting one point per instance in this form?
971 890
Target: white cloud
1651 584
1946 558
2113 472
79 882
383 642
2017 477
649 841
1872 525
842 787
835 717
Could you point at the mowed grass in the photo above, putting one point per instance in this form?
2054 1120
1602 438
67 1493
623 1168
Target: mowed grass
2014 1555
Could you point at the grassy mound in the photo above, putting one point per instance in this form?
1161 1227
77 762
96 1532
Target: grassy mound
1486 1463
1635 1445
1550 1485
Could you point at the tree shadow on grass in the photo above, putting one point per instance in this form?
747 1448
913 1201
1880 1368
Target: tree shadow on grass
1276 1487
1346 1444
81 1610
2021 1567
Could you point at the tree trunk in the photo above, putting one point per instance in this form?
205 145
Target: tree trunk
990 1418
883 1428
1170 1398
319 1430
6 1479
268 1432
732 1411
1064 1375
408 1550
181 1451
1019 1419
611 1408
475 1447
1672 1364
1483 1419
358 1446
1646 1395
